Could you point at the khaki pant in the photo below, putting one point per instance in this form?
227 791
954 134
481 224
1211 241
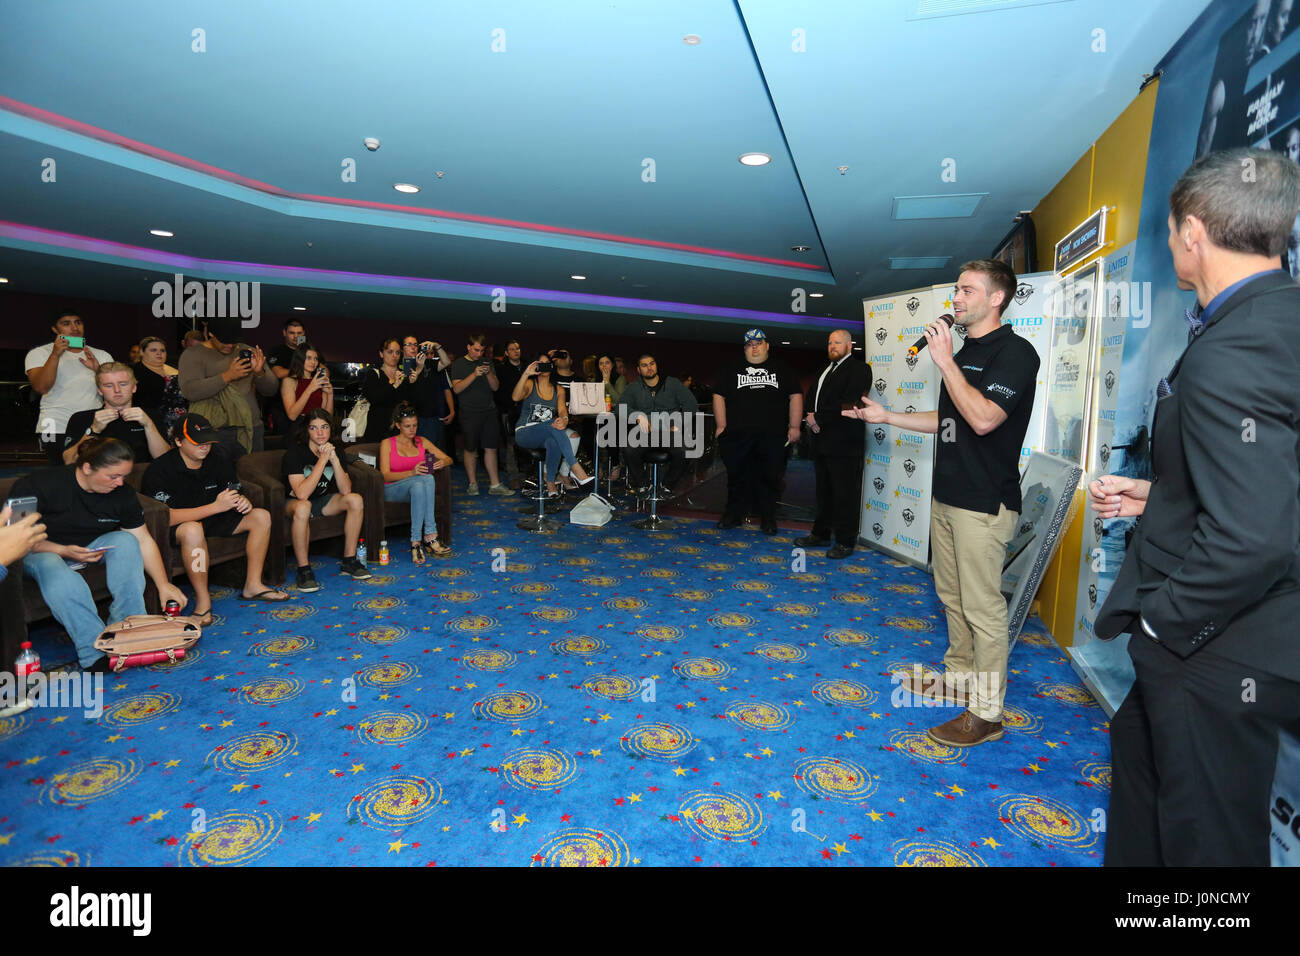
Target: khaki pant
968 549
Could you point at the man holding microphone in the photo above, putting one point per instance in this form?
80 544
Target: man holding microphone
985 402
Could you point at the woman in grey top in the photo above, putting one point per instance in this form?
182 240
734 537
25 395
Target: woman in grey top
543 418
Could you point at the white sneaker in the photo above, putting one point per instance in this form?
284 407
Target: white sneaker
472 490
500 490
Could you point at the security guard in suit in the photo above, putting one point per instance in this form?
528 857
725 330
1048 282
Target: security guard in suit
838 447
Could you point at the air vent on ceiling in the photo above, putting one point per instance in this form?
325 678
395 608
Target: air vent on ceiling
950 206
918 262
931 9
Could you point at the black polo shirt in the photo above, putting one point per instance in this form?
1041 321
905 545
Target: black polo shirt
132 433
979 472
171 482
758 396
73 515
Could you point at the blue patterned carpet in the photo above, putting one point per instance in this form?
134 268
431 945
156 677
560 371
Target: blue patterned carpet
594 697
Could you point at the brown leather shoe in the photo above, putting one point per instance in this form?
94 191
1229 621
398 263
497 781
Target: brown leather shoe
966 730
932 686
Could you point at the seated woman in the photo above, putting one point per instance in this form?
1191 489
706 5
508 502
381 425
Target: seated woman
404 461
90 515
543 420
196 481
307 386
319 485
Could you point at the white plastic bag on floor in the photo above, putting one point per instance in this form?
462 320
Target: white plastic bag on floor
591 511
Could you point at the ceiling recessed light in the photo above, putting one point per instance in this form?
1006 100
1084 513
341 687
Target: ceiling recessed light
406 188
3 280
691 39
816 295
370 143
161 232
516 323
649 333
785 343
800 248
657 321
300 308
577 277
755 159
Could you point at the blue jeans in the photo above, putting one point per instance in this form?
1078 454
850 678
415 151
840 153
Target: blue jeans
419 491
432 429
554 440
68 595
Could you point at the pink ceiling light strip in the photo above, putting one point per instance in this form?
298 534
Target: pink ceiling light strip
175 159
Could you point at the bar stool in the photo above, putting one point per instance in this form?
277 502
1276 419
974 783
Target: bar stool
654 457
538 520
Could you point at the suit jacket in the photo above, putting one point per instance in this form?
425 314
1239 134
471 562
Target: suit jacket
839 437
1216 555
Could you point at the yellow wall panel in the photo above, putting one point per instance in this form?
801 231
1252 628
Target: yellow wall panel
1110 173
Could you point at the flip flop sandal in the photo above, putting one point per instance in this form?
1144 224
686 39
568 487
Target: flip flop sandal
417 553
205 619
261 596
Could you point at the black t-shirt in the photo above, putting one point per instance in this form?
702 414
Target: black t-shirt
758 396
428 394
281 355
132 433
508 375
977 472
477 396
301 460
171 482
73 515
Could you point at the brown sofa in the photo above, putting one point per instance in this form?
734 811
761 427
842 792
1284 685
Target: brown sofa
21 603
398 513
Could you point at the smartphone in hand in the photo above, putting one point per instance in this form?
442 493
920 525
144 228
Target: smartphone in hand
22 507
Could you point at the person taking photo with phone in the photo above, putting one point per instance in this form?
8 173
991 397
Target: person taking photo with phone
307 386
222 380
63 374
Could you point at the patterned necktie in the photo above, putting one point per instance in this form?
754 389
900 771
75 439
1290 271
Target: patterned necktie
1195 326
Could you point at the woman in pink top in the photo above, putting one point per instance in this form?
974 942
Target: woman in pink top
407 477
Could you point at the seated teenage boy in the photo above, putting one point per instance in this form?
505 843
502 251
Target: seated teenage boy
118 417
196 481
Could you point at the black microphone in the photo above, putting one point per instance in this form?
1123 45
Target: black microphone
922 342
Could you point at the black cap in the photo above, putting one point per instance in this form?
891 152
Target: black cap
196 428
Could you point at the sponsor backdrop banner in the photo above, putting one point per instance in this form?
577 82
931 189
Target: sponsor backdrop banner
900 464
1250 96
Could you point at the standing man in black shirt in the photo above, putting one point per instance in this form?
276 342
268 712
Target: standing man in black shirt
430 392
474 378
510 369
838 446
196 481
985 402
757 408
118 418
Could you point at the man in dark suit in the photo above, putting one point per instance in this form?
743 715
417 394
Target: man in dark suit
1210 586
838 446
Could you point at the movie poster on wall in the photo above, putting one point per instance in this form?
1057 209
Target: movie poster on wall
899 463
1102 544
1247 97
1071 305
